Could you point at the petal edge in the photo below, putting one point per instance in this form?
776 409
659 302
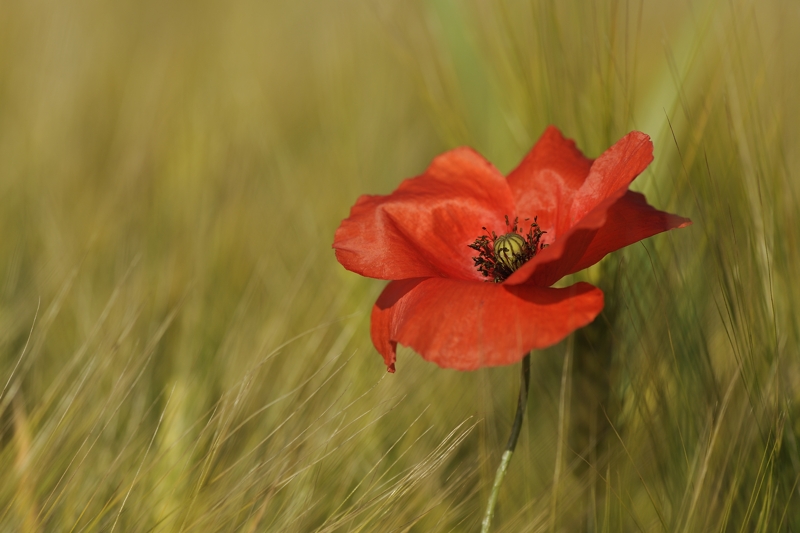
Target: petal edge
467 325
423 228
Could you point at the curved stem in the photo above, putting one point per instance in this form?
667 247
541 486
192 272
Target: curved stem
522 403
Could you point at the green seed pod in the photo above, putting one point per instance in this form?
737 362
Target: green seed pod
511 250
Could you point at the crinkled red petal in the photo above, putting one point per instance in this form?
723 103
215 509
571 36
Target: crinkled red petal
467 325
621 220
559 258
630 220
582 215
547 180
424 227
559 185
612 171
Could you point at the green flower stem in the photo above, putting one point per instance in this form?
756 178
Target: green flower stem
522 403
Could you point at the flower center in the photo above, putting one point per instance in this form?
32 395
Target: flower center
499 257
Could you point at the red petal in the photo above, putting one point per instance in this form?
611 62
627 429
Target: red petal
558 259
630 220
424 227
622 219
612 171
546 181
556 183
467 325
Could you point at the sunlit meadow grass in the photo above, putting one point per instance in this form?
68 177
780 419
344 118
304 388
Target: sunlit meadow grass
180 351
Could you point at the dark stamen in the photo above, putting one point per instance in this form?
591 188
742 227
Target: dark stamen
513 252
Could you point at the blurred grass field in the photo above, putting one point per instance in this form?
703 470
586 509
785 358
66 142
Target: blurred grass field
180 350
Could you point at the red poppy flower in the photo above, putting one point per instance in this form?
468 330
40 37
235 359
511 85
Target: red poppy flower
472 254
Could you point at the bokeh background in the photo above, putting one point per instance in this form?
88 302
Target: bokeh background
180 350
